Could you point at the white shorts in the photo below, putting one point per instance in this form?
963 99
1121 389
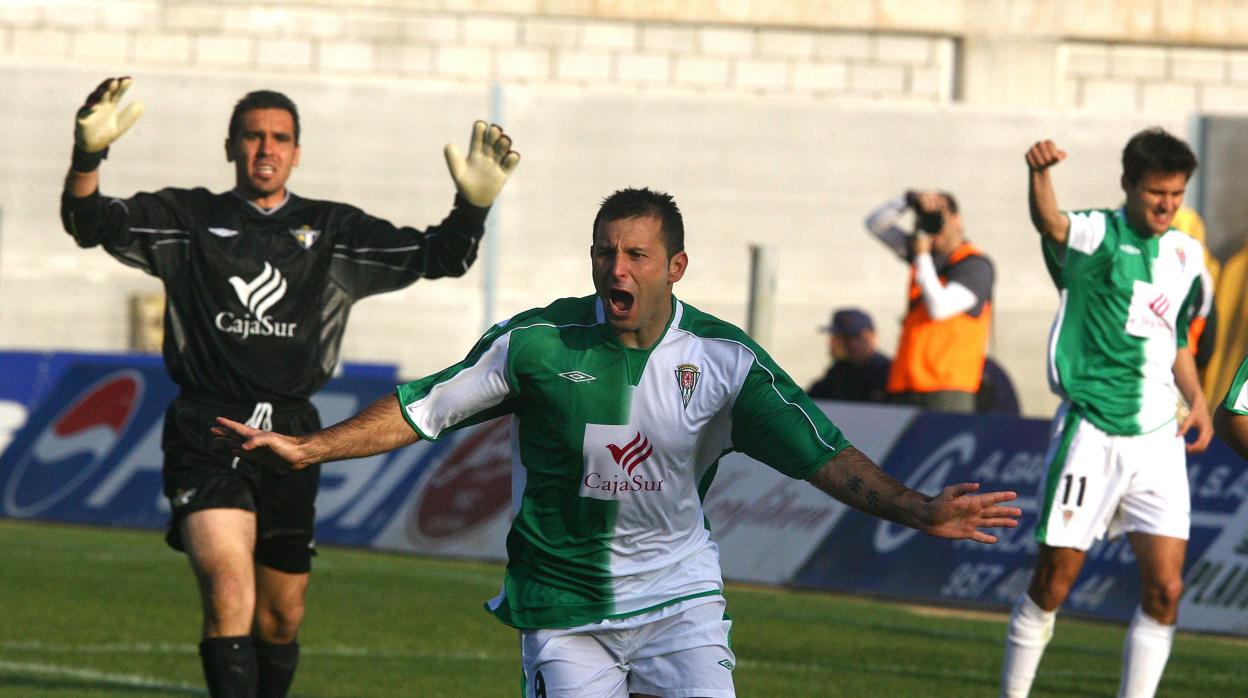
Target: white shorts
1098 484
678 651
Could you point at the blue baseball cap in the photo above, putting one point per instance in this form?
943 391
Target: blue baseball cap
849 322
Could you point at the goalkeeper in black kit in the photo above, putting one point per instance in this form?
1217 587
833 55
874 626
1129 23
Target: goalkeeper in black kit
259 283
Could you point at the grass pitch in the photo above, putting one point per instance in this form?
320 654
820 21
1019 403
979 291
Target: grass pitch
107 613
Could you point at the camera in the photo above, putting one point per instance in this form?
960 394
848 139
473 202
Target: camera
927 222
930 223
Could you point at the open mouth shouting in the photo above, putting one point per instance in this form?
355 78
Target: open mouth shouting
620 302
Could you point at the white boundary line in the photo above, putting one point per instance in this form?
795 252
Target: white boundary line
129 680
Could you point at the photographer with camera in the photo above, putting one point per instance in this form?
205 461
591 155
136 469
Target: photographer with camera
944 337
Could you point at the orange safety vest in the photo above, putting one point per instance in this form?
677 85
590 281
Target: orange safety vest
940 354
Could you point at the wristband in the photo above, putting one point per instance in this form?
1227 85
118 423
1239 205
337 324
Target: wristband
87 162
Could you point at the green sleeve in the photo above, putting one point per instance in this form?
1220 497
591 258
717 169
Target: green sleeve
1184 319
475 390
775 422
1236 399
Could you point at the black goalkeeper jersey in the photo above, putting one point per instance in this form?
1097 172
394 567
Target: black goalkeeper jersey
257 302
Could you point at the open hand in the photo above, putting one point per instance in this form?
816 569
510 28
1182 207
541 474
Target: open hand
957 513
99 120
275 452
480 176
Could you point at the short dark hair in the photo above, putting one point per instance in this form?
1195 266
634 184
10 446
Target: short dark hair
950 202
262 99
1155 150
634 203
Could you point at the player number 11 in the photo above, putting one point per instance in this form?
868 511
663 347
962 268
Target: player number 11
1083 485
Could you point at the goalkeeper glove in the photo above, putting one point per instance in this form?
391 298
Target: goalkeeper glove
481 175
99 122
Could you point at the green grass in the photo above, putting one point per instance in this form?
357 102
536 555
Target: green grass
107 613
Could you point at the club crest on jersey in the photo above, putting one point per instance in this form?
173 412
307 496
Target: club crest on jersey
1182 257
687 376
305 235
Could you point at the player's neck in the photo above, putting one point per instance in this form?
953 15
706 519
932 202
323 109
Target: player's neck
265 202
650 331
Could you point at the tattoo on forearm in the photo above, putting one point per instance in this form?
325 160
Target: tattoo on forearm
854 483
873 499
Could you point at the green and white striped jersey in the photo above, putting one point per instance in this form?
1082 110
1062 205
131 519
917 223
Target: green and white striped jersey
1236 399
613 450
1125 305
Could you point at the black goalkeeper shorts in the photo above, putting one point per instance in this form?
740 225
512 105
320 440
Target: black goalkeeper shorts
197 477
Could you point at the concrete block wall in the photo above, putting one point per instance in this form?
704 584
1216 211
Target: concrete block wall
1173 80
393 40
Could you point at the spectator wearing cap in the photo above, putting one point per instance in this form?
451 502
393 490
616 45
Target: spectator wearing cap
858 372
939 363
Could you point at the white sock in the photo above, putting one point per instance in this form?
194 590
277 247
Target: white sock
1030 629
1144 655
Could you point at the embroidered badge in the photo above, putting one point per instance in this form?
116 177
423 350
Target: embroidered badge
687 378
305 235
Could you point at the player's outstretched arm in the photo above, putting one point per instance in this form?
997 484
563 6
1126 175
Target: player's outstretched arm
379 428
490 161
954 513
99 122
1045 214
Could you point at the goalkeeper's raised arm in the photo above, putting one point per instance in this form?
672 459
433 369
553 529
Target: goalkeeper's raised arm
100 121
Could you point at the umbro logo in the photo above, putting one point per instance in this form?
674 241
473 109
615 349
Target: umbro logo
223 232
577 376
727 664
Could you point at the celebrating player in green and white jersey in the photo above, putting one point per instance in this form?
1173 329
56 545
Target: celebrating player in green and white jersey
1118 359
622 404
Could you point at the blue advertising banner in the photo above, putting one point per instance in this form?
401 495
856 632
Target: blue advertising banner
90 453
26 377
865 554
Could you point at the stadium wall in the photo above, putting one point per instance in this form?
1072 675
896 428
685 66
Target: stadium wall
774 123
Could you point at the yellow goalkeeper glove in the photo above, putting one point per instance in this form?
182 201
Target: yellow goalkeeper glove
481 175
100 122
